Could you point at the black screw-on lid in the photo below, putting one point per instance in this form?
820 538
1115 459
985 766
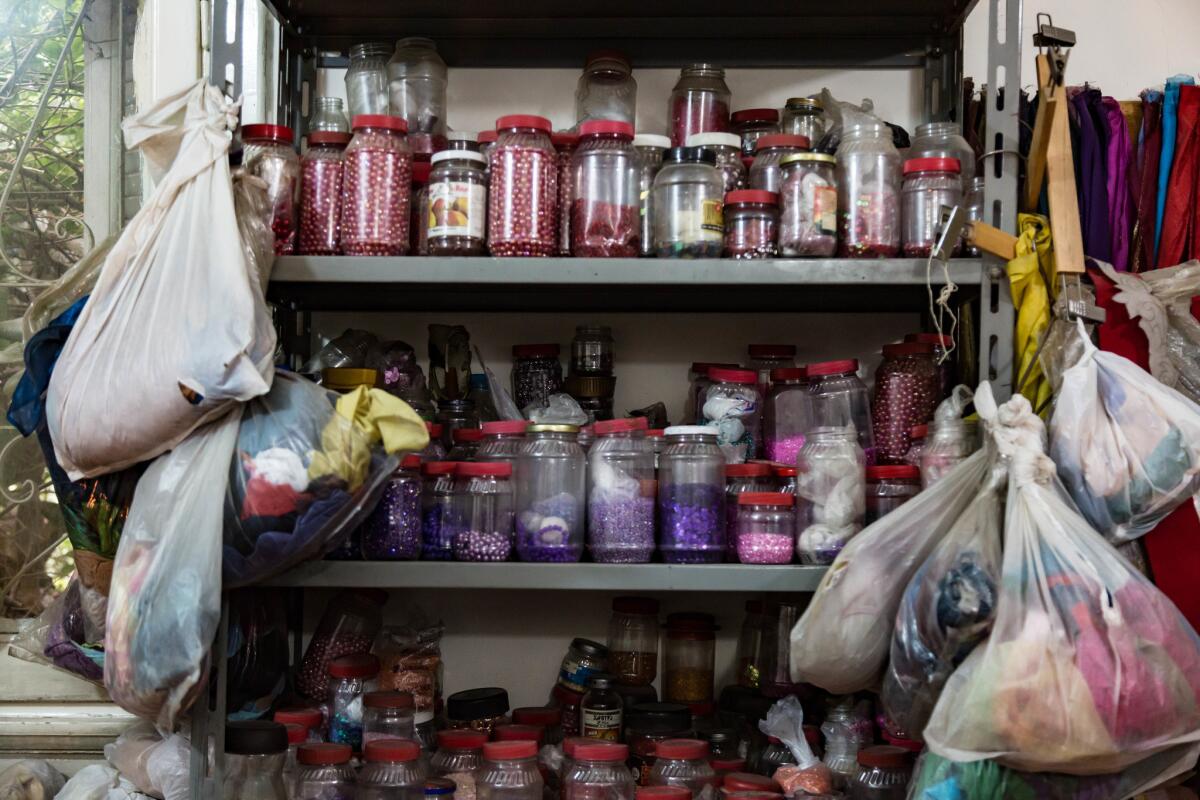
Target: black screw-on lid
660 717
721 735
477 704
590 648
601 680
255 737
695 155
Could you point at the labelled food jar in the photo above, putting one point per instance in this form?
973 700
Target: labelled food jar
458 190
689 662
502 440
832 484
633 640
766 528
438 522
650 148
376 188
621 493
388 715
727 148
840 399
477 709
765 172
808 205
509 772
268 154
392 770
536 373
907 385
930 185
551 478
691 497
683 762
350 677
804 116
733 408
751 224
417 93
324 771
321 192
601 709
393 530
688 198
890 487
751 124
868 178
606 89
787 414
523 188
603 205
699 103
584 658
483 511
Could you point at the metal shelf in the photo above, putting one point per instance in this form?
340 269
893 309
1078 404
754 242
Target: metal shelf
556 577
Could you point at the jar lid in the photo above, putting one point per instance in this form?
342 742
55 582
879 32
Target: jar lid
747 470
420 171
755 115
572 743
344 379
484 469
535 350
935 339
388 700
323 753
336 138
623 425
537 715
391 750
589 647
379 121
742 376
601 680
692 621
467 435
602 751
687 749
702 367
833 367
590 386
782 140
277 133
784 471
907 349
434 428
487 137
713 139
741 795
436 787
482 703
808 158
789 374
522 121
892 472
461 739
363 665
884 756
771 350
652 140
305 717
655 433
506 751
799 103
607 55
552 427
519 733
439 467
690 155
297 734
765 499
752 196
411 461
458 155
690 430
664 793
461 136
750 782
660 717
727 764
635 605
918 431
932 165
606 127
564 140
504 426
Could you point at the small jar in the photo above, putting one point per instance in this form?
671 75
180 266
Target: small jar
483 511
522 188
509 772
883 774
775 755
417 93
699 103
297 736
564 144
840 399
633 640
688 198
388 715
691 498
843 738
749 648
594 394
804 116
547 718
516 732
601 709
394 770
787 414
947 369
751 124
536 373
502 440
393 530
766 528
350 677
606 89
592 350
888 488
599 773
366 79
930 184
751 224
418 221
733 408
329 115
621 493
916 445
649 724
689 662
808 205
477 709
376 188
765 172
459 752
728 149
255 751
602 205
739 479
308 719
466 444
454 416
321 193
551 477
347 627
584 658
832 482
945 140
268 154
906 394
949 443
458 191
683 762
649 148
325 772
437 510
868 179
974 203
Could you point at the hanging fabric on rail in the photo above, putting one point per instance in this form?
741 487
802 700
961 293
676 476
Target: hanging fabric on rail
1167 156
1178 219
1090 186
1149 149
1119 164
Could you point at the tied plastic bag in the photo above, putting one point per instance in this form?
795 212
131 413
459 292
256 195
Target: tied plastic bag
785 721
69 634
1127 447
176 329
98 782
1089 668
31 779
156 766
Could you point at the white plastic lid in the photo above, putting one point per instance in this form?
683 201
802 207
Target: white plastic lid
457 155
462 136
690 430
714 139
651 140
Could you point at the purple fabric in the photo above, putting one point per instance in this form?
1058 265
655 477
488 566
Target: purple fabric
275 550
1119 179
1091 188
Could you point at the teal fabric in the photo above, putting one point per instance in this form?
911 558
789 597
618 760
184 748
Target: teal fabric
1170 118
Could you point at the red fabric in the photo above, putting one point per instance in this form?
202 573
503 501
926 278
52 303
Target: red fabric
1179 215
1119 334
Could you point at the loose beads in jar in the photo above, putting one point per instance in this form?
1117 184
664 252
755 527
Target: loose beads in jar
523 193
751 222
321 193
376 188
605 230
906 394
269 155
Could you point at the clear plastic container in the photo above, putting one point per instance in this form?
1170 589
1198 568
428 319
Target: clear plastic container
649 148
929 185
765 358
483 511
739 479
564 143
733 407
948 444
509 772
418 220
751 124
551 478
268 154
502 440
394 770
606 89
466 444
883 774
945 140
417 93
689 662
888 488
454 416
688 197
604 192
974 203
766 528
321 193
477 709
547 718
621 493
749 785
329 115
808 205
916 445
787 414
691 497
536 373
523 188
367 80
840 399
347 627
458 752
255 752
592 350
437 510
727 147
683 762
841 743
393 530
458 190
388 715
633 640
868 178
804 116
487 141
832 482
350 677
324 772
698 383
751 224
765 172
699 103
749 646
906 393
599 773
376 188
785 478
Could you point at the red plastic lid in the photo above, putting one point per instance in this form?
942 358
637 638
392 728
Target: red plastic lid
701 710
782 140
907 349
754 795
883 755
765 499
337 138
622 425
749 782
752 196
438 467
602 751
772 350
755 115
833 367
278 133
297 734
462 739
519 733
607 55
635 605
918 432
749 470
306 717
906 744
504 426
571 743
723 375
892 472
687 749
360 666
789 374
784 471
323 753
812 734
523 121
943 339
388 700
727 764
656 433
506 751
434 428
392 750
537 715
486 137
467 434
384 121
606 127
535 350
420 171
664 793
411 461
484 469
931 165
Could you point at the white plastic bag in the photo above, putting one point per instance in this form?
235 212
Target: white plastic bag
155 765
808 776
97 782
177 328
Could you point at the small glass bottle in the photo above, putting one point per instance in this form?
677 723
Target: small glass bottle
350 677
536 373
437 510
376 188
699 103
804 116
393 770
650 148
808 205
483 511
930 184
840 399
751 124
388 715
551 478
751 224
633 640
600 709
883 774
832 481
749 648
366 79
599 773
868 179
321 193
728 149
477 709
606 89
329 115
502 440
417 93
347 627
458 190
691 498
392 532
733 408
888 488
255 751
906 393
325 772
689 662
688 201
509 772
466 444
603 202
522 188
787 414
683 762
459 752
766 528
621 493
268 154
765 172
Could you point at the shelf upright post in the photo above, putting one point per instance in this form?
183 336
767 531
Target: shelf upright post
205 777
942 75
225 57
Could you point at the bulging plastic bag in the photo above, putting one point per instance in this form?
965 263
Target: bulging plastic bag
69 634
31 779
156 766
98 782
1127 447
559 409
177 328
808 776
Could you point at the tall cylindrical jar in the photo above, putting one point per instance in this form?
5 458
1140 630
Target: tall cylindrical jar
751 224
733 408
376 188
606 89
808 205
633 640
840 399
437 510
691 497
551 478
699 103
509 772
483 511
930 184
906 394
604 192
832 481
393 530
804 116
765 172
690 660
751 124
868 176
650 148
458 190
268 154
787 414
598 772
417 93
621 493
688 199
321 192
523 188
329 115
393 770
727 147
366 79
324 771
945 140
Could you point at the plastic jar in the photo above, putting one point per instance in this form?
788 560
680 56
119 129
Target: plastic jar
536 373
388 715
689 662
774 755
649 148
437 510
808 205
633 640
945 140
523 188
787 414
699 103
691 498
804 116
417 93
462 141
883 774
455 415
255 751
483 511
888 488
393 770
840 399
457 191
649 724
606 89
723 748
601 709
751 124
321 193
592 350
392 532
683 762
765 172
727 147
842 739
435 450
733 408
458 752
785 479
350 677
324 772
603 203
832 482
974 204
466 444
751 224
948 444
947 372
445 789
376 188
564 143
739 783
477 709
916 445
268 154
749 647
509 772
309 719
688 197
765 358
547 718
929 185
739 479
487 141
297 736
598 772
868 178
329 115
766 528
502 440
348 627
551 478
906 394
698 383
584 658
366 79
621 493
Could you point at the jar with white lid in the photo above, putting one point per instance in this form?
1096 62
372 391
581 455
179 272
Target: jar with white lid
733 408
751 124
268 154
727 147
366 79
417 92
376 188
523 188
699 102
392 770
804 116
751 224
603 212
457 196
551 479
691 497
930 185
324 772
621 493
483 511
868 177
765 172
606 89
808 205
766 528
649 148
688 202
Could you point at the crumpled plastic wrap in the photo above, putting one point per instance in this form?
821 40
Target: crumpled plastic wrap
98 782
156 766
31 779
809 776
560 409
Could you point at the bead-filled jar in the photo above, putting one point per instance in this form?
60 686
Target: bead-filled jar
691 497
551 478
268 154
329 115
366 79
840 399
751 224
689 662
458 189
699 103
906 394
683 762
417 93
808 205
324 772
649 148
604 192
523 188
388 715
947 368
739 479
727 147
483 502
598 772
509 772
536 373
832 484
255 752
930 184
393 530
564 143
688 198
766 528
787 414
765 172
321 192
347 627
888 488
502 440
606 89
393 770
733 408
804 116
751 124
438 522
376 188
633 640
621 493
868 178
350 677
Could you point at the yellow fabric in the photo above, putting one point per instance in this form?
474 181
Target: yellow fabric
1028 274
364 418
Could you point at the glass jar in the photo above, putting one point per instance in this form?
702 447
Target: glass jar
329 115
477 709
325 772
350 677
929 185
765 172
649 148
945 140
606 89
551 476
466 444
804 116
600 709
779 619
523 188
727 147
458 190
683 762
749 647
699 103
309 719
255 751
633 640
808 205
888 488
392 532
689 662
584 658
462 142
454 416
883 774
868 180
766 528
366 79
388 715
766 358
691 498
321 193
376 188
832 482
536 373
775 755
598 772
487 141
739 479
947 369
603 201
347 627
949 443
394 770
916 445
647 726
502 440
621 493
733 408
564 143
906 394
840 399
592 350
509 772
483 511
787 414
751 124
547 718
437 510
459 752
751 224
974 203
417 92
268 154
688 197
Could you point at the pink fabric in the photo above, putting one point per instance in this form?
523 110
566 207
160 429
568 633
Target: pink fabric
1118 182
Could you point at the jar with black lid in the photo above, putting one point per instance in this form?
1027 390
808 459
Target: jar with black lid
648 724
477 709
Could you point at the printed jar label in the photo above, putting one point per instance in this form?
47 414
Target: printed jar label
574 675
457 209
713 216
824 200
601 724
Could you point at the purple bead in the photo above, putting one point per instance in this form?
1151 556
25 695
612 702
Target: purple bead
482 546
393 531
692 523
621 531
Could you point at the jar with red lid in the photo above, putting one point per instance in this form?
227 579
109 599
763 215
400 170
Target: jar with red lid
648 724
268 154
785 479
466 444
906 394
840 399
768 357
663 793
350 677
536 373
683 762
548 718
889 487
727 148
633 640
749 782
602 192
509 772
868 179
376 188
324 772
698 383
751 124
808 205
502 440
487 140
483 511
388 715
523 188
699 103
435 450
787 414
690 659
393 530
568 701
751 224
517 732
766 528
883 774
321 193
930 184
741 478
621 493
598 772
459 752
947 369
765 172
733 407
348 627
438 523
418 220
457 215
392 770
309 719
